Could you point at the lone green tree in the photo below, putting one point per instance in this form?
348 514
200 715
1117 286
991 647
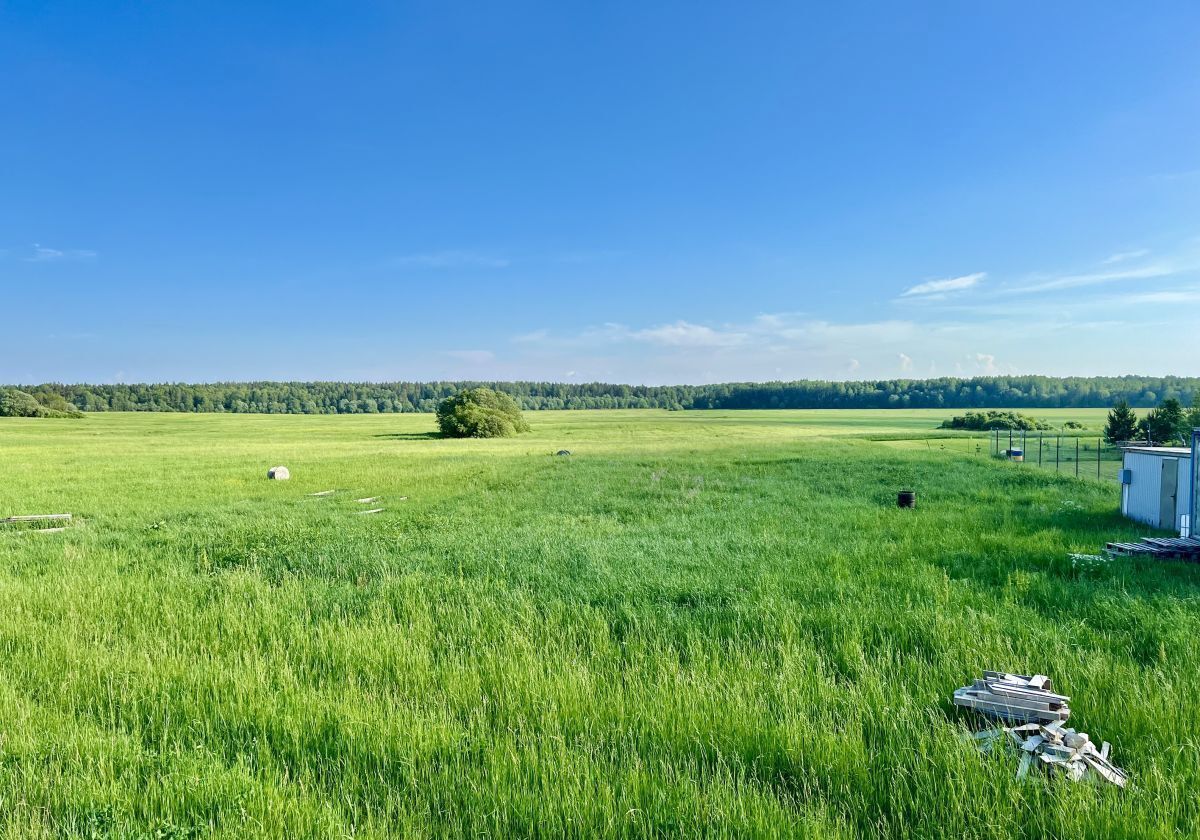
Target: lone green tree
480 413
1122 423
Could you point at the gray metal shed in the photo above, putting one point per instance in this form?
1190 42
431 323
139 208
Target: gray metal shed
1156 485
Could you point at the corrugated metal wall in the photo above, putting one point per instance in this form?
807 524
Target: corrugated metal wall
1140 498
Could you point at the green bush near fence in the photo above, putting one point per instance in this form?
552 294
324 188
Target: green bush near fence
981 421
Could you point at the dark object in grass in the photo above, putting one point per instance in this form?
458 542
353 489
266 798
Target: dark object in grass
906 499
563 452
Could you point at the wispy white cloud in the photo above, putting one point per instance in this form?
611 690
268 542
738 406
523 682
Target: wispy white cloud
450 259
942 287
769 333
472 357
1053 323
1057 340
44 254
1122 256
532 337
1162 296
1096 278
986 363
1178 175
684 334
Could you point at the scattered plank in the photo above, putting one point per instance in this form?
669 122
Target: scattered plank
46 530
323 493
1056 748
365 512
37 517
1011 697
367 500
1023 770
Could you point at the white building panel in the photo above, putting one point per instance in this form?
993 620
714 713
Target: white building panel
1145 499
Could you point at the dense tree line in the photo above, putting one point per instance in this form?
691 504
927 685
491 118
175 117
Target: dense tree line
390 397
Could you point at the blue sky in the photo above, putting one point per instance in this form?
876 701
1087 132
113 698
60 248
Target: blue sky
662 192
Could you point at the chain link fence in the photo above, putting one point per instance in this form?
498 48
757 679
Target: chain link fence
1082 455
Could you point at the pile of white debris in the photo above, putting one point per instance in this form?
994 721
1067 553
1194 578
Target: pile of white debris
1014 697
1040 734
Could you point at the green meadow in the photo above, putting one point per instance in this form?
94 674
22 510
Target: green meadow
698 624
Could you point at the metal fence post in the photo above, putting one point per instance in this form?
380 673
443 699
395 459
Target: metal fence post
1077 457
1099 442
1040 443
1057 450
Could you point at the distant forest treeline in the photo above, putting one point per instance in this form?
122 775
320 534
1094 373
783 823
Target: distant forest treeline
391 397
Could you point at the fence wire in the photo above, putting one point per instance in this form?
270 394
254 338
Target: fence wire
1081 456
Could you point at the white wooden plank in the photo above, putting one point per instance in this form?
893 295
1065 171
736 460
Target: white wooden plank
37 517
1023 770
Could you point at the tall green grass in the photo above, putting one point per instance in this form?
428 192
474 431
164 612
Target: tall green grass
712 624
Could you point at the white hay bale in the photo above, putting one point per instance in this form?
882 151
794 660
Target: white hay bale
279 473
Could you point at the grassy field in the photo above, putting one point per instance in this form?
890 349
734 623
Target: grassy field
699 624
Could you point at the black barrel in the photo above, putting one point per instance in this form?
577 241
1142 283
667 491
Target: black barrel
906 498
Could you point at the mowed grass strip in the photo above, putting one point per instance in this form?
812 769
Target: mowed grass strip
713 624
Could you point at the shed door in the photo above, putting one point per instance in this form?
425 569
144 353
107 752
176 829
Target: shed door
1169 488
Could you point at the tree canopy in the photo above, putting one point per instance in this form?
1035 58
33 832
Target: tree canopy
480 413
1012 392
989 420
18 403
1168 423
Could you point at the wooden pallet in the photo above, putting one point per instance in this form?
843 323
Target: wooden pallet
1158 548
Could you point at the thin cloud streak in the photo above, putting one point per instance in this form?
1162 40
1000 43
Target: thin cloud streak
941 287
42 254
450 259
1075 281
1127 255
